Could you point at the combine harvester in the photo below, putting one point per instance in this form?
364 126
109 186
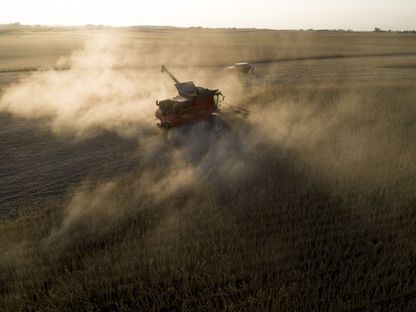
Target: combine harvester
191 104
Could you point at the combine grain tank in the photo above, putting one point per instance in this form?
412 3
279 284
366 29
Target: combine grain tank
192 103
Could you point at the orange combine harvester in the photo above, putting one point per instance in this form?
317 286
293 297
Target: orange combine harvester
191 104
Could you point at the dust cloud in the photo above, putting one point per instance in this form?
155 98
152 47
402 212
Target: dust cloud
95 90
87 96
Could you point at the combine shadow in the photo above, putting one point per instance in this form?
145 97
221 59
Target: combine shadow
208 145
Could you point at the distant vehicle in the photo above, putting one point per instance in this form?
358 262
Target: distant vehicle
243 68
192 103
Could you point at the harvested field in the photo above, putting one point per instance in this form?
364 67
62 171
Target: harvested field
308 203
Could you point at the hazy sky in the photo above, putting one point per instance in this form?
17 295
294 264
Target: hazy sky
280 14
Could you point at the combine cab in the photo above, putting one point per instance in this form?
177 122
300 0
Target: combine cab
192 103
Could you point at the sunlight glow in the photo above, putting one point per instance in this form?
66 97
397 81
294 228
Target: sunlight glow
277 14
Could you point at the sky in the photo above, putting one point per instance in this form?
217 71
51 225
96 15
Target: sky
274 14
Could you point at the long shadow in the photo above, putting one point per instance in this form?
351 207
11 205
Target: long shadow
302 242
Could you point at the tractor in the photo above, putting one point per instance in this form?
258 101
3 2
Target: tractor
241 68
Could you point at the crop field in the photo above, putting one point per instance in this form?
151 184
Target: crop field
307 203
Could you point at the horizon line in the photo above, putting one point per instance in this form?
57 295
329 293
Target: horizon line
88 25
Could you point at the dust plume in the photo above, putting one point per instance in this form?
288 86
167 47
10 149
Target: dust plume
88 95
334 130
94 90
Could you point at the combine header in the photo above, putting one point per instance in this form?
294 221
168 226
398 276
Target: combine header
192 103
